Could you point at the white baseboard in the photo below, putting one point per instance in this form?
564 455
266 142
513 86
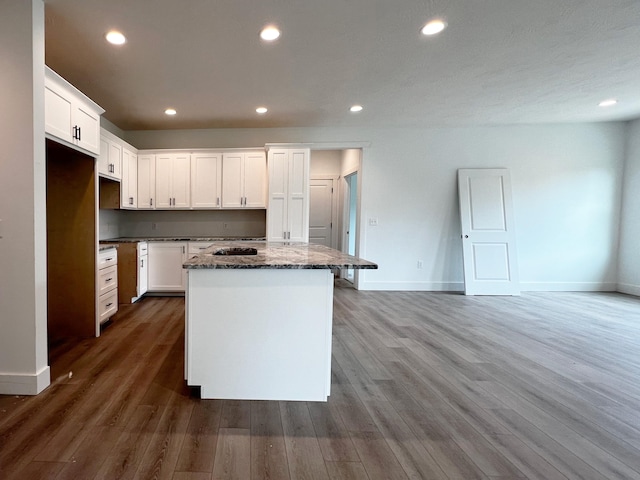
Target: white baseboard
568 286
524 287
629 289
24 384
413 286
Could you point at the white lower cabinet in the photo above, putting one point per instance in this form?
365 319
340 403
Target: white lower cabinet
165 266
143 268
107 284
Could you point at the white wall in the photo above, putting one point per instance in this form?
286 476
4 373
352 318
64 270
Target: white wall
629 260
23 275
325 162
567 182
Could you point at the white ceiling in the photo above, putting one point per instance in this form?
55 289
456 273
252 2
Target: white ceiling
498 62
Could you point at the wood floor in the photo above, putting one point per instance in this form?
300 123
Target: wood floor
425 385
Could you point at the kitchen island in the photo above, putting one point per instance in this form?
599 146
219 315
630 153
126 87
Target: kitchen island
259 320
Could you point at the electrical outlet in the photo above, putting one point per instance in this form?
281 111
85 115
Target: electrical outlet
373 222
419 265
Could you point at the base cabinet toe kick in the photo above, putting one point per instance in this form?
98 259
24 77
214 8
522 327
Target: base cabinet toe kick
260 333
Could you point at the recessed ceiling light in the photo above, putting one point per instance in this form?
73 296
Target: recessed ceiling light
170 111
608 103
270 33
261 110
433 27
356 108
116 38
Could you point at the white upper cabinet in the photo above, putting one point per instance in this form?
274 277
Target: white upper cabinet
129 184
206 180
288 209
70 116
173 180
244 179
146 181
110 159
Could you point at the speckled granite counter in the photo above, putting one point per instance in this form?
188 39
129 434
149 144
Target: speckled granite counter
179 239
276 256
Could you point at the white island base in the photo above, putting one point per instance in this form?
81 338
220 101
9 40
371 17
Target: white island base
259 334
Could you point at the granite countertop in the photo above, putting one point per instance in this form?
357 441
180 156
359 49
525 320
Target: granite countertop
179 239
276 256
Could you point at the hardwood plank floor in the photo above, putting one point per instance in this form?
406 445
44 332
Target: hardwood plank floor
424 385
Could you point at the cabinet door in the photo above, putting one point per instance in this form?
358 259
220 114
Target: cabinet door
232 188
163 181
288 210
88 123
298 195
103 159
206 180
255 176
57 113
129 184
143 275
165 266
277 211
146 181
181 180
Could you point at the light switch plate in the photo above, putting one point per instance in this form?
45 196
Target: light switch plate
373 222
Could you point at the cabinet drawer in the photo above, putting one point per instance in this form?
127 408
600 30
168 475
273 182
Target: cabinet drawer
143 249
106 258
107 279
107 305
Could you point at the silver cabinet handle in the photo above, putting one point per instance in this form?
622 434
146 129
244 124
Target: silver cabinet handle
130 200
183 250
218 202
108 279
151 202
109 304
142 263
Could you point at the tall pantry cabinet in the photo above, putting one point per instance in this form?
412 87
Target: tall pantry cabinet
288 208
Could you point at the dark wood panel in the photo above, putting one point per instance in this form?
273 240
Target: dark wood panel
71 243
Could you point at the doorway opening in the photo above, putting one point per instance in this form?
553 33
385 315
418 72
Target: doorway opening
335 176
351 217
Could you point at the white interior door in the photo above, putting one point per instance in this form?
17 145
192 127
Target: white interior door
488 235
320 211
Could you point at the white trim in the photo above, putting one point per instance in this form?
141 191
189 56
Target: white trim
568 286
321 145
629 289
525 286
25 384
457 287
